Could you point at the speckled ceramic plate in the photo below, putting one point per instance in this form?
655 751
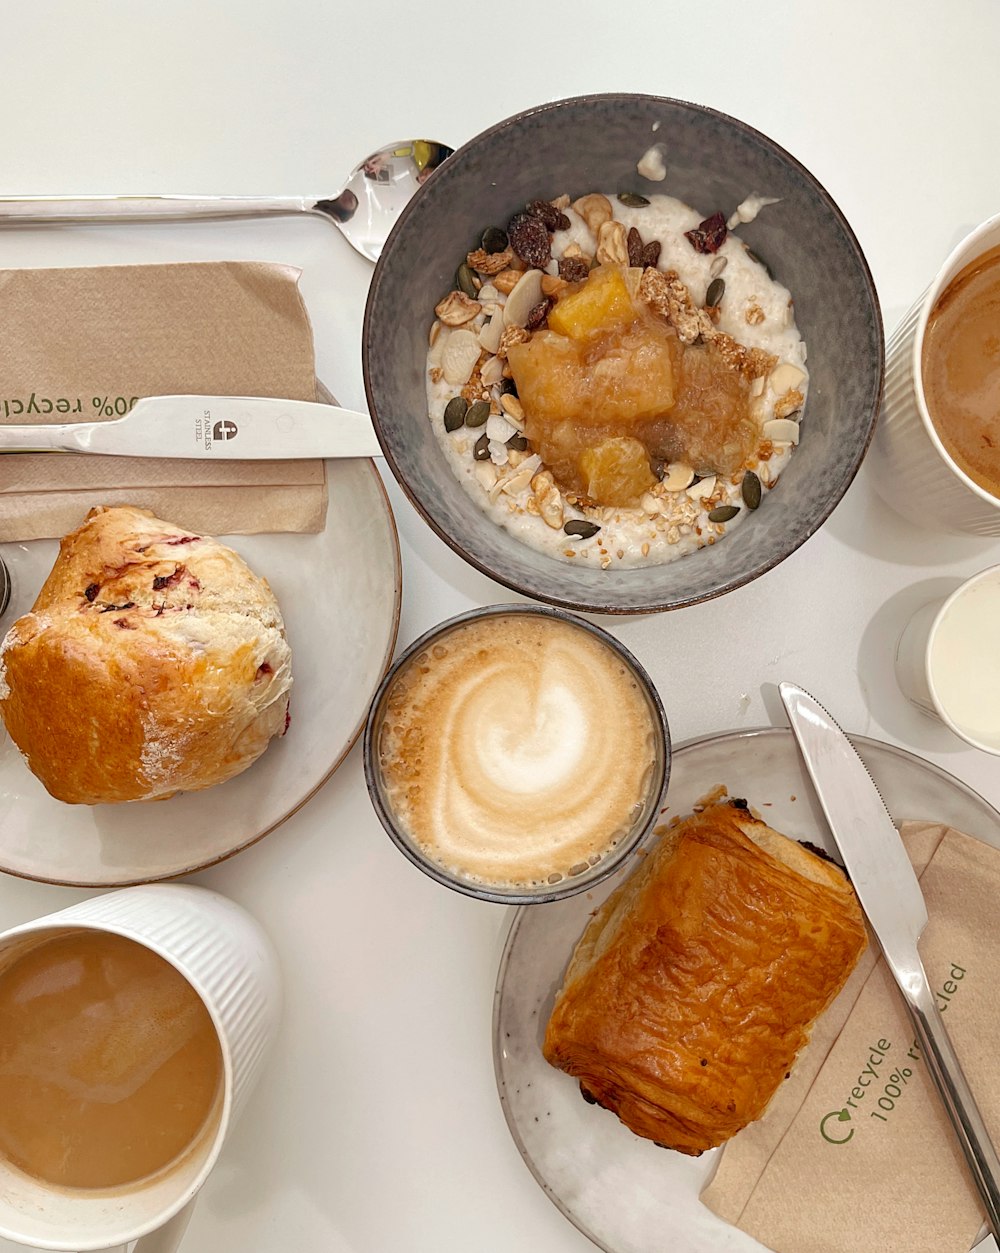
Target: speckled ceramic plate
592 143
340 603
623 1192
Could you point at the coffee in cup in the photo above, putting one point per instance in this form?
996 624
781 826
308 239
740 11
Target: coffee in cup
515 752
960 367
110 1065
931 458
152 1009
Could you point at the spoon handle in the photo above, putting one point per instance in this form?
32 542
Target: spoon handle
50 209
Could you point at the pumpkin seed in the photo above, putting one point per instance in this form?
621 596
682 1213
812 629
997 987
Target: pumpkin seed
715 292
481 452
751 490
477 413
581 529
508 387
517 442
494 240
454 413
632 199
463 280
724 513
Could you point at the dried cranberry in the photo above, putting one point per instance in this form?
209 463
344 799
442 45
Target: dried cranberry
124 624
634 244
530 239
168 580
650 254
288 719
184 539
538 315
91 591
710 235
573 269
263 669
129 604
554 219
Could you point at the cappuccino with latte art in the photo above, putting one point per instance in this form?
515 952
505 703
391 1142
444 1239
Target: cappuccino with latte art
519 749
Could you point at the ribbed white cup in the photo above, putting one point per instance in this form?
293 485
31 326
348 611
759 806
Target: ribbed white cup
911 468
229 961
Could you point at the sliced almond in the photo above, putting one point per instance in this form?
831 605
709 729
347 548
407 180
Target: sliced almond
520 481
461 353
678 477
491 371
486 473
702 489
523 298
438 344
489 336
785 377
499 429
781 431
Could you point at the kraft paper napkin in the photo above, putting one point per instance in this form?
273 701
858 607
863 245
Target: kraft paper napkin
855 1153
77 345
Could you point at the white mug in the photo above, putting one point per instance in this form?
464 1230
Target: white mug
911 469
947 662
229 961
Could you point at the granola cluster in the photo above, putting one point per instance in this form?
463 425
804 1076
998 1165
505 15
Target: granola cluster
504 291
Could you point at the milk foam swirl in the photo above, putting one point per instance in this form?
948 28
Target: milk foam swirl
517 749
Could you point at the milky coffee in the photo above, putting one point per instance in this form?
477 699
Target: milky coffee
110 1066
518 749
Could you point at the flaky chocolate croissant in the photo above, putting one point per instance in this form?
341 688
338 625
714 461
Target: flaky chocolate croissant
698 981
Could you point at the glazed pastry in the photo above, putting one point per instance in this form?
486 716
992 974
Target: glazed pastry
153 661
698 981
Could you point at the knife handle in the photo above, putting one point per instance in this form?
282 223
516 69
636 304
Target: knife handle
946 1071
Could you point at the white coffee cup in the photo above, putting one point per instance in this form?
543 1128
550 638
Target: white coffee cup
911 469
947 662
229 961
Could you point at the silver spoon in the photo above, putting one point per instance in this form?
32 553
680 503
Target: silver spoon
364 210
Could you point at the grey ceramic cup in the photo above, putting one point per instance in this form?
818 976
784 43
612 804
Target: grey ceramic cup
570 885
713 162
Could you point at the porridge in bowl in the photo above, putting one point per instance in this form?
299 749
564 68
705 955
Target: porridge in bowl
616 380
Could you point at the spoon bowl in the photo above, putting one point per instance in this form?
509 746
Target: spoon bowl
364 210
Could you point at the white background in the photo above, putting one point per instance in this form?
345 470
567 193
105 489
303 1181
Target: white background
378 1128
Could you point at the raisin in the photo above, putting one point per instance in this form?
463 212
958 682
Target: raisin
92 590
710 234
530 239
650 254
573 269
554 219
538 315
634 244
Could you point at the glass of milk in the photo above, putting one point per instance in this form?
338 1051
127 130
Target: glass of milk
948 660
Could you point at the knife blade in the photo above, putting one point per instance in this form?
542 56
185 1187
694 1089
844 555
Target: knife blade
221 428
889 891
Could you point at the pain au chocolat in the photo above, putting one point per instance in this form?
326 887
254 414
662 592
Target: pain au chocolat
698 981
153 661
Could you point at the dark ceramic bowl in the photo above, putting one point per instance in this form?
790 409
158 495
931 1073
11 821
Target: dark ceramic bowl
592 143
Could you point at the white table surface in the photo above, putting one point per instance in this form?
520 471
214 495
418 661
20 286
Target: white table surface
377 1128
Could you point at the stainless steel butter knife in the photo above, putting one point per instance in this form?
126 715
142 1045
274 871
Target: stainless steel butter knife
890 895
224 428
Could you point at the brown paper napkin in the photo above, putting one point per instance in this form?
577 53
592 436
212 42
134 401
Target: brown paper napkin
78 344
855 1153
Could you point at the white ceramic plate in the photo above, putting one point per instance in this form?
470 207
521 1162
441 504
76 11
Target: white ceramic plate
623 1192
339 593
